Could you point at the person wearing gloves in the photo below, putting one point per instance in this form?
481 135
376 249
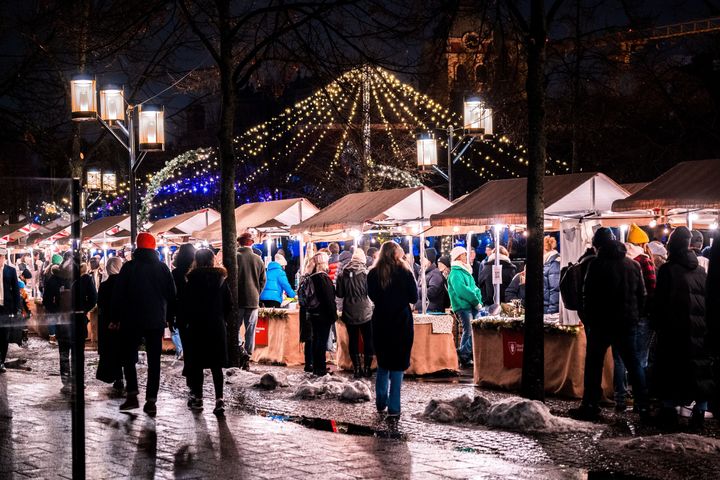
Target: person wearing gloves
276 282
465 300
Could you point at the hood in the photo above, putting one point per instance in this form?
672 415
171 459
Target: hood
430 268
549 255
589 254
208 274
146 255
634 251
345 257
461 266
503 258
613 250
355 266
274 266
684 258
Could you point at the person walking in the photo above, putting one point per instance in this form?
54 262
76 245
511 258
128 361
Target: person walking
436 289
465 301
357 311
144 301
207 301
183 260
9 305
276 284
551 276
318 294
392 288
682 368
613 297
251 281
485 278
109 368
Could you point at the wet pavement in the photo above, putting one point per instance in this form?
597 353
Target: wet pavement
271 434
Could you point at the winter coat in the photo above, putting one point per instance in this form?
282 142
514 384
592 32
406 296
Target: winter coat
333 268
551 282
276 283
573 280
206 299
516 289
109 343
464 294
392 321
144 293
82 289
352 289
613 292
326 312
11 292
180 317
485 279
251 278
51 293
712 303
682 370
436 290
647 267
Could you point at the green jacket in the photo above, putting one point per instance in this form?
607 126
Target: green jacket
464 294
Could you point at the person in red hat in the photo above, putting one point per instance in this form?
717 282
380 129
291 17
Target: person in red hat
144 300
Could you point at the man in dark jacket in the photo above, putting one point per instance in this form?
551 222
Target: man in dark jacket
9 305
144 299
251 282
485 280
613 296
436 289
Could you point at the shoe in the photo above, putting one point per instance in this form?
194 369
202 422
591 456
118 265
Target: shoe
308 368
66 389
322 373
586 413
52 340
130 403
393 414
357 369
381 408
118 386
219 409
196 403
2 368
697 421
150 408
620 408
367 373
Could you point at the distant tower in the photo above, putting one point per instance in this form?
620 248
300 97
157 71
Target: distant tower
466 53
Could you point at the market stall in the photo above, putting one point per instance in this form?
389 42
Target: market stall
687 194
498 356
404 212
277 337
179 229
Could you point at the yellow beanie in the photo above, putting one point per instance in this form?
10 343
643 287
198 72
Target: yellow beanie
637 235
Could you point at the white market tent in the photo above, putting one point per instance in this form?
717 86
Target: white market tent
275 217
182 226
402 210
12 233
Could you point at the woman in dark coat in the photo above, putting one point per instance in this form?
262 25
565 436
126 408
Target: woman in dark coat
357 311
392 288
184 259
682 371
712 302
109 343
485 277
206 302
323 316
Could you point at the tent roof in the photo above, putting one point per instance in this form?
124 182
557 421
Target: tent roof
275 215
504 201
102 225
185 223
353 211
10 233
634 187
687 185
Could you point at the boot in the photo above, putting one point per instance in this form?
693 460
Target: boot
357 369
697 421
130 403
367 372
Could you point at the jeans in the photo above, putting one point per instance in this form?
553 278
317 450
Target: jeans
354 332
643 336
153 348
249 317
196 377
598 341
465 351
175 336
382 399
642 341
619 379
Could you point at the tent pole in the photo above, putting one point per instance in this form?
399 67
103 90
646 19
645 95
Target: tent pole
423 282
498 267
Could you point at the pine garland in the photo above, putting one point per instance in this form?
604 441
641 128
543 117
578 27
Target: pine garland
518 323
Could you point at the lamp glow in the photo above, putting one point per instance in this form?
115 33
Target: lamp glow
426 149
477 117
151 128
112 104
83 98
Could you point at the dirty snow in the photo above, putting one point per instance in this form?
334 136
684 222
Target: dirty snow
332 386
675 443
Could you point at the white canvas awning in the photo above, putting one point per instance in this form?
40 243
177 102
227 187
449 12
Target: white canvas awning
273 217
185 224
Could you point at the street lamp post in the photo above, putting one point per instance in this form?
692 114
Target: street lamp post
477 124
113 110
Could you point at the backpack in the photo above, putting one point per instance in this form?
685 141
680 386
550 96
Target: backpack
571 283
306 293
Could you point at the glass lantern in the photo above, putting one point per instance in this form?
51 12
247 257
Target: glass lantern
93 180
109 182
151 128
426 149
83 101
112 104
477 118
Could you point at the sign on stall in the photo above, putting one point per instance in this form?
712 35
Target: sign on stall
261 332
497 274
513 344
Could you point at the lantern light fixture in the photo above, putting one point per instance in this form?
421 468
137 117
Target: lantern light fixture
151 128
93 180
426 149
112 104
477 117
83 98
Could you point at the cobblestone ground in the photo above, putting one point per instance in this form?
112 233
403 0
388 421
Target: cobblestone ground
263 435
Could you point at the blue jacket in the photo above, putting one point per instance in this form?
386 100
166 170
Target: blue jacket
276 283
551 283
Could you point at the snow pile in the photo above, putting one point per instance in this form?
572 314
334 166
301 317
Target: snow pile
236 376
676 443
330 386
512 413
270 381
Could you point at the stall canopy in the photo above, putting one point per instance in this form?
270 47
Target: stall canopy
185 224
11 233
688 186
578 195
274 217
368 211
50 232
107 228
634 187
